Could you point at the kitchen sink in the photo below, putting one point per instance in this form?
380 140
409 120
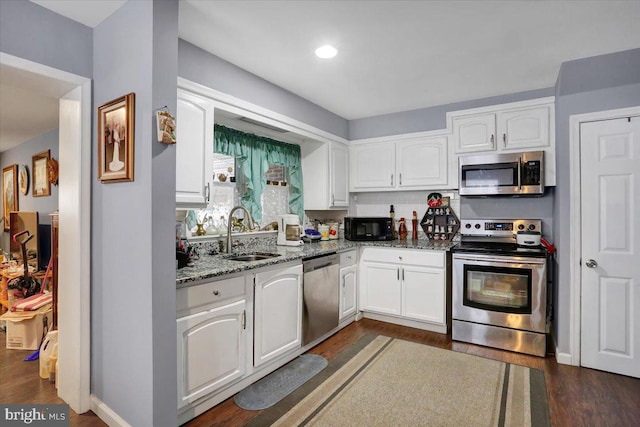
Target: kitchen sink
251 257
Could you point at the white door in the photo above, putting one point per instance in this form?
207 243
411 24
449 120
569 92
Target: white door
194 150
211 351
278 313
422 162
347 291
380 289
610 271
474 133
423 294
339 175
372 166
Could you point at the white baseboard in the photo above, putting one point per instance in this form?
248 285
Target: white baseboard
106 414
564 358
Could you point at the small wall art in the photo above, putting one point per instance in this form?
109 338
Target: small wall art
40 174
166 127
23 179
9 192
116 139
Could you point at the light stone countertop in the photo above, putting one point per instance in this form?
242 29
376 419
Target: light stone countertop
213 266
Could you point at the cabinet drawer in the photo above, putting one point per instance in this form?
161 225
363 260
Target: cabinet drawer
405 256
348 258
209 293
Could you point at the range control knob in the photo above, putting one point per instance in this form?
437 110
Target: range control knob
477 226
467 226
520 226
532 227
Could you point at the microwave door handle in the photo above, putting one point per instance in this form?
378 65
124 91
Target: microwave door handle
519 173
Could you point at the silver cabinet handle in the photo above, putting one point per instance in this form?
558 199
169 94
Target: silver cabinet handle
207 192
398 273
403 274
333 199
504 140
392 180
591 263
493 143
401 179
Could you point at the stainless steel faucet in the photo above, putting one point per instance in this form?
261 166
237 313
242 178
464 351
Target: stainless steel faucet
250 224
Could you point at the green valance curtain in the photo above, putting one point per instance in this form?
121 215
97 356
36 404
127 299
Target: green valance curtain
253 156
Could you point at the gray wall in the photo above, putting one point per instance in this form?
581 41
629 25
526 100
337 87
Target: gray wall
432 118
202 67
32 32
587 85
133 354
22 154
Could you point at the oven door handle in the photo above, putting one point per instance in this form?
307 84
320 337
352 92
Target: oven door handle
500 260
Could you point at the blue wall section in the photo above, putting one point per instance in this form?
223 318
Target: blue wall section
30 31
202 67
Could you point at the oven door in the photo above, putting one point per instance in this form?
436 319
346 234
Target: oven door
506 291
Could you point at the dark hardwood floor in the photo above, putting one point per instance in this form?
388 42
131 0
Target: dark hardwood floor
20 382
577 396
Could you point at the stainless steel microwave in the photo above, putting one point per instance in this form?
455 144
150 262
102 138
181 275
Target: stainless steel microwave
502 174
368 228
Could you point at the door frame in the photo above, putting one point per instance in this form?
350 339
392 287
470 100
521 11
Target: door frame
575 229
74 206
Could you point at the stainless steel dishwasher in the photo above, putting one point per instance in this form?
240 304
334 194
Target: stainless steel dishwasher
321 307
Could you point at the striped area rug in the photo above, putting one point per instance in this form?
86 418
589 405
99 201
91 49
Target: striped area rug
383 381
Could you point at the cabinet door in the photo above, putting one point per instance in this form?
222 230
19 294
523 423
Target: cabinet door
277 313
211 351
524 128
474 133
194 150
372 166
422 162
347 291
380 290
339 176
423 294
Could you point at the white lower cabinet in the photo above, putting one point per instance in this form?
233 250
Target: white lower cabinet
408 284
277 313
348 289
212 350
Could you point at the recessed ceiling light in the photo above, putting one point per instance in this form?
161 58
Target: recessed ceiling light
326 51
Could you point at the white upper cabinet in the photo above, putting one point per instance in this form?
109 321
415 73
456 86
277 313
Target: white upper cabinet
372 166
194 150
412 163
526 128
474 133
518 126
325 175
422 162
339 175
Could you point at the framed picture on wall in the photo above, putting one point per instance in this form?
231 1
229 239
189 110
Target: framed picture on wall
115 139
9 193
40 174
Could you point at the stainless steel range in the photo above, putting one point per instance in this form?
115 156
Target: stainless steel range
500 288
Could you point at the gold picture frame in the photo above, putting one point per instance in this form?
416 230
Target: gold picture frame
9 193
116 139
40 185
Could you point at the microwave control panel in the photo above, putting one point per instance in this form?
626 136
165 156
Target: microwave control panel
530 174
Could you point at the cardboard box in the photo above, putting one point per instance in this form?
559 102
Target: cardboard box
25 328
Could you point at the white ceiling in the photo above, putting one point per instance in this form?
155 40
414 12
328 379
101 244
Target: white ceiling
393 55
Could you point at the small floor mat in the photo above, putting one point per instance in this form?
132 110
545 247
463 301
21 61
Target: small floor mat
278 384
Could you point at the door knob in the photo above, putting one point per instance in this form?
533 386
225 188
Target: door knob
591 263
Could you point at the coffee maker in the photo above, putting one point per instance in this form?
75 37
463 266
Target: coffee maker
289 231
